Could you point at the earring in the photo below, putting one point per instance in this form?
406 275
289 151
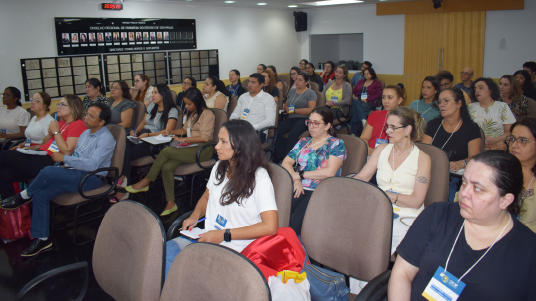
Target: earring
407 136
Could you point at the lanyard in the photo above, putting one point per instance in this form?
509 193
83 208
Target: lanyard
424 111
308 144
383 129
80 149
293 101
446 265
524 194
445 131
64 127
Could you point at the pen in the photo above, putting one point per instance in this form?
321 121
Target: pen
204 218
135 130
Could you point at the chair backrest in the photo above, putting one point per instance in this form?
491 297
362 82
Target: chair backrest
129 253
179 119
280 101
483 141
283 188
357 239
438 190
383 83
32 113
233 101
285 78
285 88
220 119
205 271
356 154
118 156
532 107
320 99
314 86
174 96
139 112
245 84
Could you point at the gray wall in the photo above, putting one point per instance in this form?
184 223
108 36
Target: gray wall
336 47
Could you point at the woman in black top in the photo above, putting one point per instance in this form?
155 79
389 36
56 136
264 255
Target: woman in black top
187 83
477 241
524 83
454 132
310 69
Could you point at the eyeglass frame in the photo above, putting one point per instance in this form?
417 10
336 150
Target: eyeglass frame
445 85
62 104
518 140
438 101
308 121
386 127
465 73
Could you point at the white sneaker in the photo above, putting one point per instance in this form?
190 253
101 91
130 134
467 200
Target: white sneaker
364 122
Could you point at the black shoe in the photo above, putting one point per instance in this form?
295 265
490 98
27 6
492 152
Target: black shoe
14 202
36 247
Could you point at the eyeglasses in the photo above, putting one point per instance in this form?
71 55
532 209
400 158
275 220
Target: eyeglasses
522 141
186 84
441 101
392 128
313 124
61 104
465 73
446 85
293 73
35 100
115 88
86 114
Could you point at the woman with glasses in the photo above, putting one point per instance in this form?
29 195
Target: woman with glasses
235 88
16 166
310 70
426 105
300 103
37 129
402 170
95 93
365 94
303 64
493 117
122 107
317 157
512 95
142 90
13 118
294 71
455 133
187 83
522 144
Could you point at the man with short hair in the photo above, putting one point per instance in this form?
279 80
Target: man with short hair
445 81
93 151
359 75
256 106
530 67
467 76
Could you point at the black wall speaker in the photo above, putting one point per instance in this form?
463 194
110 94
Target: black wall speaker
300 21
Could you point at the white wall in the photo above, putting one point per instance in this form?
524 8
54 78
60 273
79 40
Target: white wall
517 26
383 36
245 37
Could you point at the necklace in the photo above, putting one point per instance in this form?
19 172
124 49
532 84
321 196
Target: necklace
114 104
527 190
445 131
410 145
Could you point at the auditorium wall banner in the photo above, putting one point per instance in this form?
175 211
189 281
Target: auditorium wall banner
116 35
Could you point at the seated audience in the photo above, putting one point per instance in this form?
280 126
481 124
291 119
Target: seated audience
530 67
302 65
300 103
187 83
328 73
455 133
475 242
316 158
511 95
360 75
216 95
338 92
261 68
445 81
294 71
278 81
142 90
365 95
93 151
374 132
62 137
122 108
256 106
493 117
402 170
95 93
235 88
426 105
269 85
13 118
466 77
522 144
199 129
315 78
37 129
239 202
523 81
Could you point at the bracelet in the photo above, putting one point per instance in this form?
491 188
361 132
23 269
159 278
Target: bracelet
396 200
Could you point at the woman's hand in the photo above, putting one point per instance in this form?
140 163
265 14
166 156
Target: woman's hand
363 100
354 97
166 132
298 188
143 136
295 176
132 133
490 140
53 127
21 145
457 165
330 103
179 139
189 223
212 236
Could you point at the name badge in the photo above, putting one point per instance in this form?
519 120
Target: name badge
364 96
184 119
221 222
188 132
76 154
54 147
422 115
381 141
443 286
291 109
334 98
245 114
28 142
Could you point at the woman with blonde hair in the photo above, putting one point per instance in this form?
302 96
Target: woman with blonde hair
270 84
512 95
142 90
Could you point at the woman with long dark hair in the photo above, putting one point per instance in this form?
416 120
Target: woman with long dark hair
122 108
365 94
216 95
426 105
239 202
278 81
511 94
235 88
294 71
317 157
187 83
329 72
270 85
524 83
310 69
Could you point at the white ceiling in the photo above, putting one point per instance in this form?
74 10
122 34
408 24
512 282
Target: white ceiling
272 4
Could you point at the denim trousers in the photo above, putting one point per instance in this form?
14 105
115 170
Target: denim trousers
360 111
51 182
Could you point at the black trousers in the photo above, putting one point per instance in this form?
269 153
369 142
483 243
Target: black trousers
133 152
18 167
297 212
294 127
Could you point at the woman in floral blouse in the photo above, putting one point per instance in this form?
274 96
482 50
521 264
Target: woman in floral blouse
318 157
512 95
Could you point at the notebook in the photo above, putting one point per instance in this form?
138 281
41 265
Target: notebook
194 234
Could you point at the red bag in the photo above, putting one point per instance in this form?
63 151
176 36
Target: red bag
15 224
274 253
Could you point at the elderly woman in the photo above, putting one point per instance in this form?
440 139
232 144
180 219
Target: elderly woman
95 93
365 94
426 105
142 90
493 117
522 144
317 157
13 118
216 95
511 95
474 249
37 129
239 202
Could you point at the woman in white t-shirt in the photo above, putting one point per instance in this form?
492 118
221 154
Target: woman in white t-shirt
37 129
13 118
493 117
239 203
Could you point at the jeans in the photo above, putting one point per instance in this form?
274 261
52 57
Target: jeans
454 186
173 248
51 182
360 111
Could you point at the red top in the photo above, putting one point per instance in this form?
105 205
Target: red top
374 91
326 79
73 129
377 120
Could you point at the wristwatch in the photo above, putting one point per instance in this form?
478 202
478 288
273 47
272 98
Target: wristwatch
301 174
227 235
464 163
55 133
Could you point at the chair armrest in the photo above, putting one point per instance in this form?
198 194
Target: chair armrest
7 142
55 272
376 289
198 154
347 116
89 174
273 127
176 225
